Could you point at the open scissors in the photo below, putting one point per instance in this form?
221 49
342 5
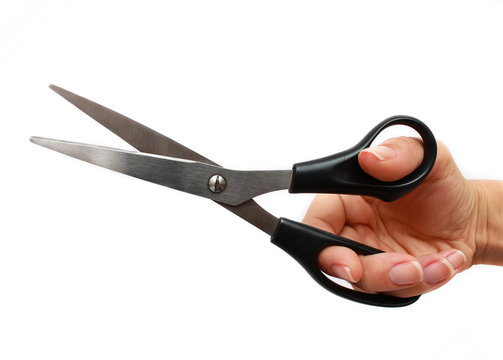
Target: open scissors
163 161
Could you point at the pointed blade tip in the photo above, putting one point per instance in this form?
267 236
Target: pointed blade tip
37 140
56 88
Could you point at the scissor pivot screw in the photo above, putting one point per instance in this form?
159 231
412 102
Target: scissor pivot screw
217 183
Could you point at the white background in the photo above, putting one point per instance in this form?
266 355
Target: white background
96 265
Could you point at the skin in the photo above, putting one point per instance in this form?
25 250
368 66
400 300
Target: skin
440 229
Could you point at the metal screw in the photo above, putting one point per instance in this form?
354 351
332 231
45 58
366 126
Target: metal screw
217 183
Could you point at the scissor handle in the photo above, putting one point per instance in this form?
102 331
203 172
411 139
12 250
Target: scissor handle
342 174
304 243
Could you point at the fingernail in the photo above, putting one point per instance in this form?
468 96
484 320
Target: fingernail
445 268
457 259
438 271
406 273
382 152
343 272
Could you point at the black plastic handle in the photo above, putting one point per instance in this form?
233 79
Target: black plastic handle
342 174
304 243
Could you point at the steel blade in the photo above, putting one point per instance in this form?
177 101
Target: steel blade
139 136
147 140
223 185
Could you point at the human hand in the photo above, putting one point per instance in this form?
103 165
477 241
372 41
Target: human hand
429 235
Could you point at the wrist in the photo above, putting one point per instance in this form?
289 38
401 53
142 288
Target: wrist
488 222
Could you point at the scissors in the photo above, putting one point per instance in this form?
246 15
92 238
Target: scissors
164 161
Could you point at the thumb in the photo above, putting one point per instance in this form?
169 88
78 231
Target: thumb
393 159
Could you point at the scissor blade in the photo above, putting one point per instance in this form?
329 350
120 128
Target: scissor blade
235 187
139 136
147 140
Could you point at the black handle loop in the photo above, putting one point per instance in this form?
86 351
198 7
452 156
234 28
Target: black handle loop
342 174
304 243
